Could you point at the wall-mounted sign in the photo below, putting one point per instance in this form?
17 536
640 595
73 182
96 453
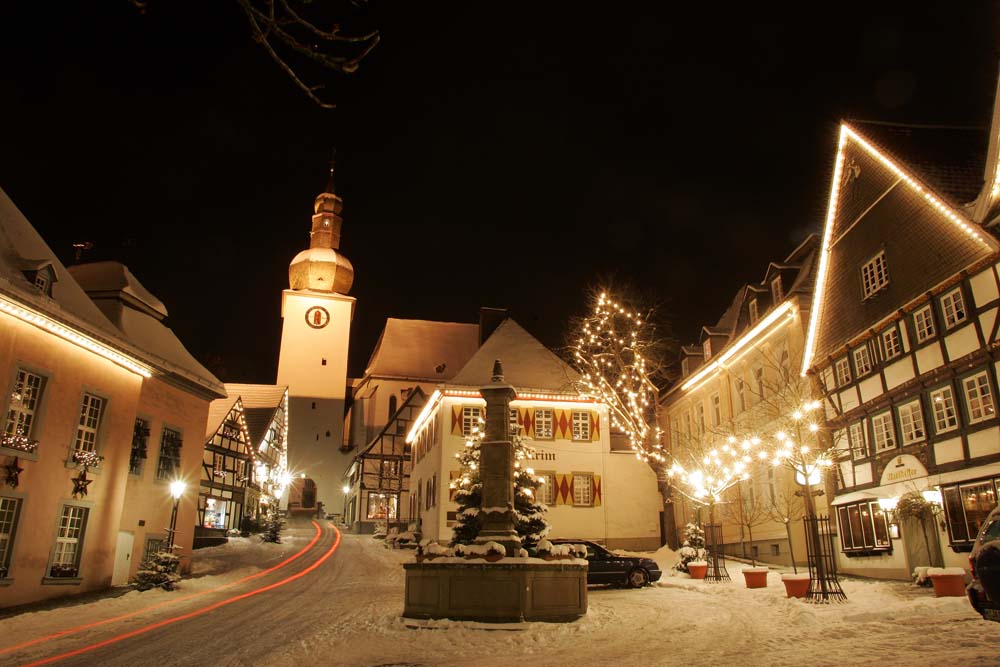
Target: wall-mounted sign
317 317
902 468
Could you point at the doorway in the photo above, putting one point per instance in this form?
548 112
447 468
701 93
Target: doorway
123 558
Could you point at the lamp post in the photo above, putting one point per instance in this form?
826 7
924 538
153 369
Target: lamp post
346 489
176 490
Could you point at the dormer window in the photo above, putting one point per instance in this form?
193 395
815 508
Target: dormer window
776 293
41 278
706 347
753 311
685 367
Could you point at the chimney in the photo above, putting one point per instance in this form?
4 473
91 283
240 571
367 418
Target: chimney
489 320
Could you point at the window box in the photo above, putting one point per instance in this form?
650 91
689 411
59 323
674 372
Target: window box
62 571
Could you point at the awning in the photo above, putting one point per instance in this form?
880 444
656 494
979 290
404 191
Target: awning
966 474
853 497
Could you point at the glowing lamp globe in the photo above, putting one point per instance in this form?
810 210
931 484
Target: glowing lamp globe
177 489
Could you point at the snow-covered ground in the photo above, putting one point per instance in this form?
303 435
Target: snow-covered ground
680 621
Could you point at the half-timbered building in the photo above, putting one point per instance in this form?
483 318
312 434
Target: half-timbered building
225 471
903 340
265 410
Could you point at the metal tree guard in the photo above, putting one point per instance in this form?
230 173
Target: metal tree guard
823 583
716 571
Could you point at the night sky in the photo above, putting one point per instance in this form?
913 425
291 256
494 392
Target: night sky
502 154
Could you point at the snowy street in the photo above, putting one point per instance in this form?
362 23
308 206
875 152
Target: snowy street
344 611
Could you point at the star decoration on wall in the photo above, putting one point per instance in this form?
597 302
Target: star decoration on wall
80 484
13 472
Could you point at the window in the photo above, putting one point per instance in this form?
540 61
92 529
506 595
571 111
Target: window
891 345
154 545
776 294
685 367
924 322
581 425
953 308
547 491
863 528
758 378
978 398
69 542
775 550
91 410
514 427
543 423
945 415
966 507
583 490
42 282
471 416
170 454
140 438
429 495
10 508
911 423
843 372
716 409
858 437
885 439
699 417
741 394
392 407
383 505
874 275
390 468
784 364
753 311
23 403
862 361
706 348
687 424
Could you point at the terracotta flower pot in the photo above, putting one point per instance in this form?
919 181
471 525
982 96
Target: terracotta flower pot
948 585
756 577
796 585
697 570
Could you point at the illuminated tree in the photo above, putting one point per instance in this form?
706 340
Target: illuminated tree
529 513
620 355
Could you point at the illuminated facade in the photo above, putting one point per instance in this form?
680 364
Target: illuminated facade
903 343
735 382
316 312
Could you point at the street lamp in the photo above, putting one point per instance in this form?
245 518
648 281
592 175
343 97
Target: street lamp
346 489
176 490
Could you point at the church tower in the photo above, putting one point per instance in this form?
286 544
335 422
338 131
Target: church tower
316 312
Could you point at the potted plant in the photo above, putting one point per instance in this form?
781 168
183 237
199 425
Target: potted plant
756 576
948 581
796 584
697 568
62 571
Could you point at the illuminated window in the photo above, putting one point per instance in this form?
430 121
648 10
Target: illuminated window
91 410
945 414
924 322
863 527
753 311
862 361
882 428
978 398
547 490
383 505
891 345
953 308
581 425
543 423
10 508
966 508
583 490
874 275
471 416
23 403
911 422
843 372
69 541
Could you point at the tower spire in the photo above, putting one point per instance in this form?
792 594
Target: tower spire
329 184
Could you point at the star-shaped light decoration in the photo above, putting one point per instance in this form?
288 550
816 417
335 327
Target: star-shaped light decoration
13 472
80 484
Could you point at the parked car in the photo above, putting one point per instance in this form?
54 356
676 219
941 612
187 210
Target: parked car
984 591
607 567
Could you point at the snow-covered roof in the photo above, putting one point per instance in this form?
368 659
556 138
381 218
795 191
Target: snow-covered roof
22 248
421 349
527 364
137 314
259 404
218 410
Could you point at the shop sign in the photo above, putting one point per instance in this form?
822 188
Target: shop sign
903 468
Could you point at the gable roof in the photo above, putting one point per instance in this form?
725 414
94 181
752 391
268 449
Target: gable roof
416 349
527 364
416 399
260 401
218 410
922 236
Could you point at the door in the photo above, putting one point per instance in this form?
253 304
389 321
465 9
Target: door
123 558
920 539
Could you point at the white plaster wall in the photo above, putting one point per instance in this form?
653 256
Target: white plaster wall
984 287
929 358
870 388
849 399
947 451
863 473
962 342
986 322
899 372
984 443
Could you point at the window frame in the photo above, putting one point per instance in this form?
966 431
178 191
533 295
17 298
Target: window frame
11 422
161 472
842 372
9 538
906 412
715 416
581 417
776 294
589 476
62 537
897 346
967 400
949 299
971 530
870 540
470 423
868 365
935 403
550 420
889 431
82 428
925 316
706 349
874 275
550 490
855 429
753 311
739 387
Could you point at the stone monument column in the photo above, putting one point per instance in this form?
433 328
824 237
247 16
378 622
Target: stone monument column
496 461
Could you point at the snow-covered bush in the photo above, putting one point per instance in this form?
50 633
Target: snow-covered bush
160 571
693 548
273 525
